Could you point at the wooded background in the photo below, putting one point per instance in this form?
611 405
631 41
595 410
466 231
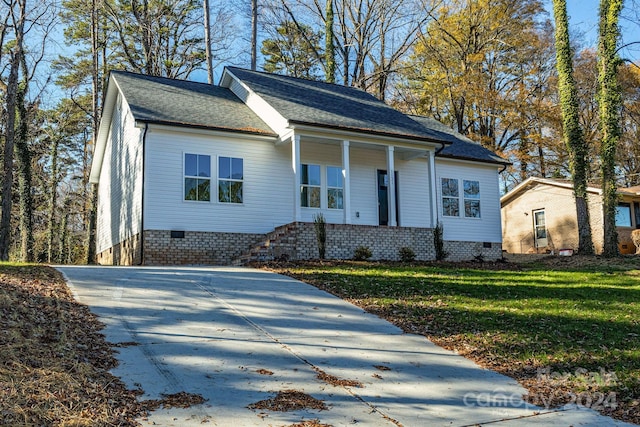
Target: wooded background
506 73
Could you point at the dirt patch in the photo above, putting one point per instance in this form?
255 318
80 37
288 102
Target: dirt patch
177 400
576 261
335 381
54 362
289 400
310 423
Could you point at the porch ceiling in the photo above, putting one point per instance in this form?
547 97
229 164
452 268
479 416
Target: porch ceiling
404 153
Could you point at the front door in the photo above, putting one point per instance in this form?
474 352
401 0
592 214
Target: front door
539 229
383 197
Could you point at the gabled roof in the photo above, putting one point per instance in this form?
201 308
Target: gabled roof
462 147
160 100
533 182
326 105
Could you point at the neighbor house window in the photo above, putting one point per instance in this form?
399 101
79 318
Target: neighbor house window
623 215
450 197
310 186
197 177
230 179
471 199
334 187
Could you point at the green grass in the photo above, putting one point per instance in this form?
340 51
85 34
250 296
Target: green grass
516 322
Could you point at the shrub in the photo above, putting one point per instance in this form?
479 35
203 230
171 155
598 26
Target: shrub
362 253
438 242
407 254
320 226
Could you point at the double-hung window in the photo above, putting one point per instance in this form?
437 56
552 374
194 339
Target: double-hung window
454 201
310 186
471 199
450 197
197 177
230 179
335 187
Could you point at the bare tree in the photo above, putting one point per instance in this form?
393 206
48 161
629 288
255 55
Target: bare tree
17 13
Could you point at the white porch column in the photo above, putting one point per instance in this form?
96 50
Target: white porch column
391 188
297 170
346 175
433 189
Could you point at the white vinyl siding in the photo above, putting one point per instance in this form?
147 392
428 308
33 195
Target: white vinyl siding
267 184
120 190
488 227
414 193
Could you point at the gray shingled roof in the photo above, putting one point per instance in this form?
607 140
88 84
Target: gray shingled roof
462 147
178 102
323 104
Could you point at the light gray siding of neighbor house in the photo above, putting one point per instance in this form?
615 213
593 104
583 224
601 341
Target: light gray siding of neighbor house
267 184
120 191
488 227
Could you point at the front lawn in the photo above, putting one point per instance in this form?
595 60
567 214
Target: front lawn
567 333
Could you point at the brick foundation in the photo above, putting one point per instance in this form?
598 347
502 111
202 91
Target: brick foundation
295 241
126 252
384 242
195 247
464 251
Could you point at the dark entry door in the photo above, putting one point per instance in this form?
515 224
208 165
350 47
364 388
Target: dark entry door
383 197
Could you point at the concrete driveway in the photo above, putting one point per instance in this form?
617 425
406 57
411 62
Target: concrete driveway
237 336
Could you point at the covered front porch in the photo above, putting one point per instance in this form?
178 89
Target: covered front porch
373 182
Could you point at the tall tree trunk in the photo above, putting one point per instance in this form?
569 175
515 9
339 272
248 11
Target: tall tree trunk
93 216
53 193
254 34
610 106
96 113
330 49
9 142
23 157
207 41
573 134
64 254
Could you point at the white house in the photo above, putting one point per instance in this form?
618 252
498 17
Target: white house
190 173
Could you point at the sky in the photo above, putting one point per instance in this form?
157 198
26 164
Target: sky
583 17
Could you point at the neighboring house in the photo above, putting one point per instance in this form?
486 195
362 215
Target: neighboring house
539 216
190 173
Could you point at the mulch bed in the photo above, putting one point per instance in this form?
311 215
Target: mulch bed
55 362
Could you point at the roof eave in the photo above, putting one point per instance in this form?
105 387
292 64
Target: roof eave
100 144
473 159
414 138
170 123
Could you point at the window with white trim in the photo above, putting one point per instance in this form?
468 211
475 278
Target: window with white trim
455 201
197 177
310 186
450 197
230 179
335 187
471 198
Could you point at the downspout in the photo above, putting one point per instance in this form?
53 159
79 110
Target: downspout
434 200
144 146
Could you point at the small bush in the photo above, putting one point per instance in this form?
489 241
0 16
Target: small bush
362 253
407 254
438 242
320 226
